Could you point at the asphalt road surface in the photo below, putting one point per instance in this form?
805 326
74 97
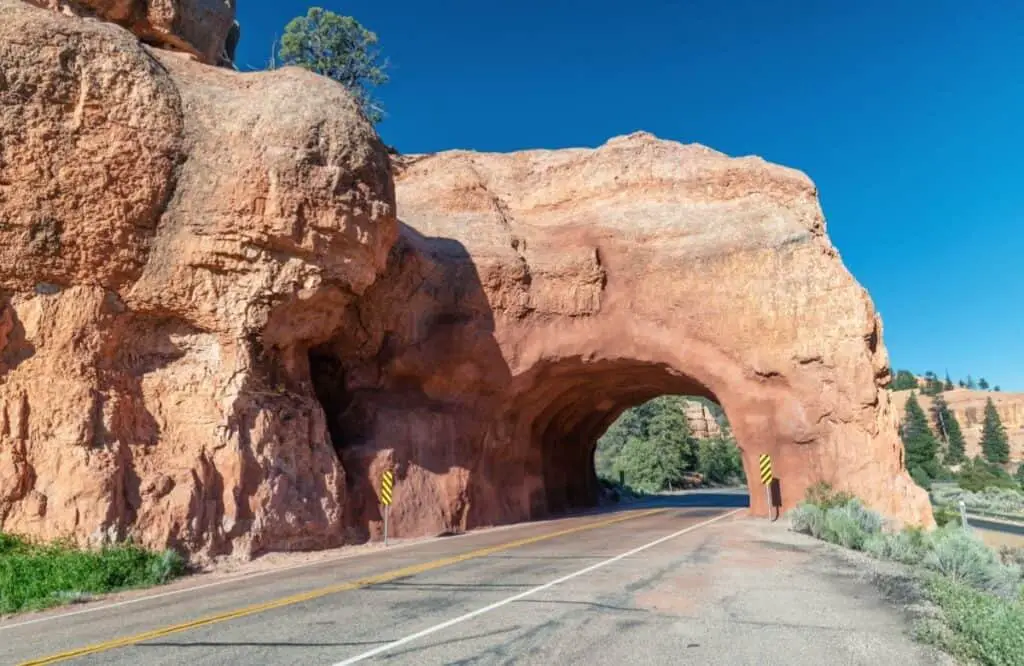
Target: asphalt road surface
995 525
685 580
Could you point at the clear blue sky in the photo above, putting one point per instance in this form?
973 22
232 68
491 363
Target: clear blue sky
908 119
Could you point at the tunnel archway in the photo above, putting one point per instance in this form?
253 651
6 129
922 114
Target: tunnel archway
570 405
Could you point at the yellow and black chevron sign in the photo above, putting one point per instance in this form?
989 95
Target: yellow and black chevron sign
766 469
387 484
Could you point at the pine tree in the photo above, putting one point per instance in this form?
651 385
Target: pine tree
948 384
994 443
919 443
949 431
983 384
903 380
962 384
970 383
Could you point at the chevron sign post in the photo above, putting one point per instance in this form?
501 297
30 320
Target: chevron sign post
765 466
387 486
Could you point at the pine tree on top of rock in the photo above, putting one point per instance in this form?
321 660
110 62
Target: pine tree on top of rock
919 444
948 384
340 48
995 445
983 384
970 383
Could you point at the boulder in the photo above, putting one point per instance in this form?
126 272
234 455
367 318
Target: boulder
200 27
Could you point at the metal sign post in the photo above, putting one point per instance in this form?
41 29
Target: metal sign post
387 484
765 464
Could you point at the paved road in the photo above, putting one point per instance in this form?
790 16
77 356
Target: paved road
685 580
995 525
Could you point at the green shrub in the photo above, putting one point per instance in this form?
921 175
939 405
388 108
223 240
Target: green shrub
1012 556
808 519
945 515
851 524
957 555
825 497
977 475
842 528
992 499
921 478
984 629
40 575
907 547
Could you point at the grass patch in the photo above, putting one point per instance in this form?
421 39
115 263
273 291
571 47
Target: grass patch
34 576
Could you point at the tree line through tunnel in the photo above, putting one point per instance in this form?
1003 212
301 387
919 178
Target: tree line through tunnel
653 447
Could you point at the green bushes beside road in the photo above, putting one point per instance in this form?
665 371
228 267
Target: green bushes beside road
34 575
979 592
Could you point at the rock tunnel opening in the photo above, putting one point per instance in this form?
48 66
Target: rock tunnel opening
571 405
328 376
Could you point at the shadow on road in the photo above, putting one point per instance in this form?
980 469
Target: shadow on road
701 500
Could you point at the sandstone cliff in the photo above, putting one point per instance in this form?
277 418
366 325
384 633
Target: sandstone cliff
215 334
969 407
703 424
172 237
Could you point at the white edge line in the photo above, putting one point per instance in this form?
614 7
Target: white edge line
257 574
522 595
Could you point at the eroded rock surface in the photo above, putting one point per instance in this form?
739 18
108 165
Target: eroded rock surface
173 237
200 27
544 292
215 334
702 422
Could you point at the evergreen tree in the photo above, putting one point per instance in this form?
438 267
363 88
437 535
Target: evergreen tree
962 384
996 388
340 48
720 462
949 431
651 443
903 381
932 384
970 383
994 443
948 384
983 384
1020 475
919 444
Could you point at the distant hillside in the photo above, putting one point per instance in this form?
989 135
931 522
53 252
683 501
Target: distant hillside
969 408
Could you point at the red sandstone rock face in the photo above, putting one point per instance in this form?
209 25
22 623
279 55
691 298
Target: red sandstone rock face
172 238
215 334
199 27
544 292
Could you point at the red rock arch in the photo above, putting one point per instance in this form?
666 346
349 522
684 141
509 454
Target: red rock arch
221 347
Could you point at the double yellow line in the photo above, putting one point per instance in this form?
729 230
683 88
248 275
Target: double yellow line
325 591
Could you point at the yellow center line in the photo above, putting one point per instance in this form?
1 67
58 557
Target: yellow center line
325 591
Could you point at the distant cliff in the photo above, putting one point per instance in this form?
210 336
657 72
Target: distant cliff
969 407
